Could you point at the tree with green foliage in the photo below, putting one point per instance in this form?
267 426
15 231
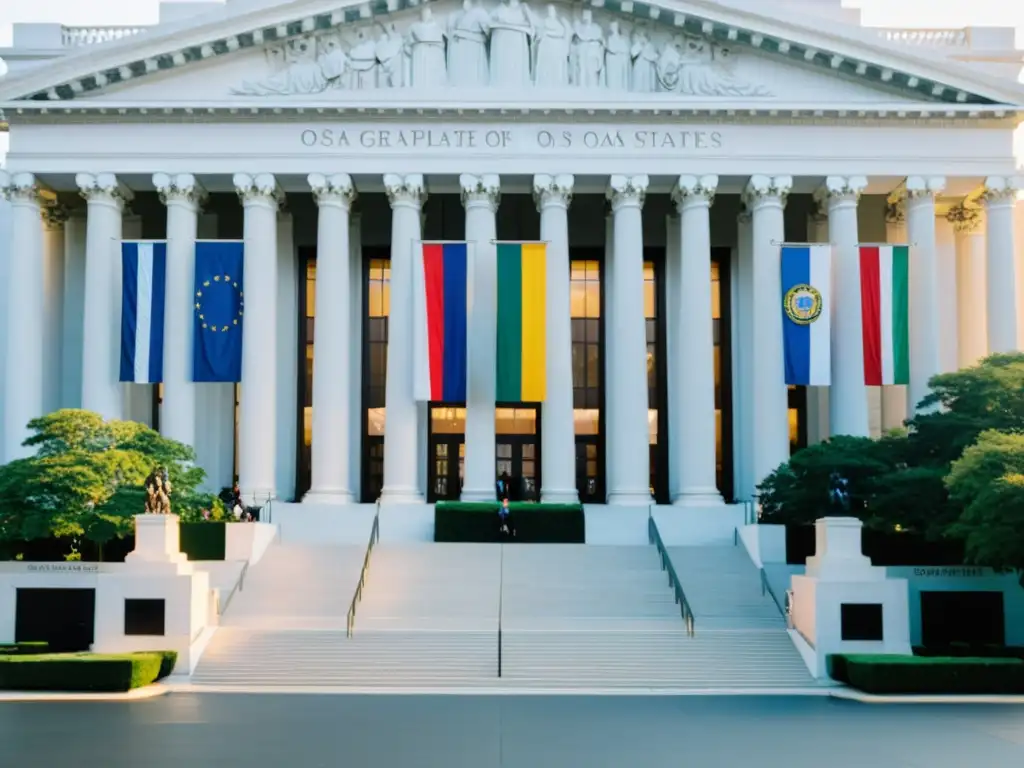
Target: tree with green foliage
86 479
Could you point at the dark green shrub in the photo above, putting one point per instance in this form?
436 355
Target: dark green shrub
534 523
167 661
203 541
961 650
885 674
36 646
79 672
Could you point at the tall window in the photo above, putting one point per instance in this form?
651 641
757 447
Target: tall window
309 319
378 307
651 323
716 322
585 310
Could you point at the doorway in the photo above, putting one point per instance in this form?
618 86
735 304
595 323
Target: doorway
517 449
64 618
589 479
447 467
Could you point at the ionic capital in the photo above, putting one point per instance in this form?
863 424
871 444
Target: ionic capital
103 188
408 190
924 188
767 190
55 215
624 191
965 221
336 189
20 188
1001 189
554 190
694 190
895 212
181 188
258 189
840 190
481 190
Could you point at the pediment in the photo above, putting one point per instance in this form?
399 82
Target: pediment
395 51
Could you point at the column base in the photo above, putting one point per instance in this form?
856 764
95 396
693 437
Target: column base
401 496
699 497
478 494
557 496
328 497
629 498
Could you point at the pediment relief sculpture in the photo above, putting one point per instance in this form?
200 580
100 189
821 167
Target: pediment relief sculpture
506 45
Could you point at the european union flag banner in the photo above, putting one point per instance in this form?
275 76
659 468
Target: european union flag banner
218 306
806 309
440 295
143 281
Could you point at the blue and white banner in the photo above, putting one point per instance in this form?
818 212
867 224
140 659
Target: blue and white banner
143 282
806 314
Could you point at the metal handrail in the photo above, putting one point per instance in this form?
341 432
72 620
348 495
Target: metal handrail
654 537
239 587
766 588
501 592
374 537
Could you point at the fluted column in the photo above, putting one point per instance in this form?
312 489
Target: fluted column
818 397
743 339
101 355
765 197
553 195
480 197
894 396
1000 198
401 434
628 441
694 364
257 433
332 377
183 196
25 322
972 333
925 359
848 399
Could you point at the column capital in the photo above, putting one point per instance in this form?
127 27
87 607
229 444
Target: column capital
767 190
181 188
103 188
408 190
840 189
965 221
895 211
553 190
744 216
482 190
21 188
1001 189
924 188
258 189
336 189
694 190
55 215
626 191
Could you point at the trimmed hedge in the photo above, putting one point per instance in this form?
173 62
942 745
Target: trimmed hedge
456 521
884 674
84 672
36 647
962 650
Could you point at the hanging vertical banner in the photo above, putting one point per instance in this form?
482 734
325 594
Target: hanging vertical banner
440 293
218 310
143 281
522 323
806 321
885 312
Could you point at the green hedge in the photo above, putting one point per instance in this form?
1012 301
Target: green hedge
203 541
456 521
40 646
84 672
885 674
960 650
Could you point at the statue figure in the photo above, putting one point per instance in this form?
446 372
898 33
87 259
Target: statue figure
390 52
670 63
363 62
467 46
426 41
511 30
695 76
616 59
588 49
300 72
645 63
158 493
332 59
551 50
720 77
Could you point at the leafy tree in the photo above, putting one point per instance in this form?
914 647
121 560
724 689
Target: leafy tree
87 479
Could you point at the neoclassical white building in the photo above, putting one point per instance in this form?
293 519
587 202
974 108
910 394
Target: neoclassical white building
664 149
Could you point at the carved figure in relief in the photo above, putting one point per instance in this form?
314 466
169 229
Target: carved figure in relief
363 62
511 30
695 67
617 62
645 63
670 62
551 50
426 42
332 59
300 72
468 33
721 78
391 57
588 51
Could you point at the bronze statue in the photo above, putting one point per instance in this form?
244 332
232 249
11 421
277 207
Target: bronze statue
158 492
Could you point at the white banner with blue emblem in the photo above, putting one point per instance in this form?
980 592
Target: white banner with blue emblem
806 314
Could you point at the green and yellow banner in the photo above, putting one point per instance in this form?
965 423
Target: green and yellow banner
522 323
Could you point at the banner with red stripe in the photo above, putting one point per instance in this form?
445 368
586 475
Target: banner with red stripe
441 324
885 300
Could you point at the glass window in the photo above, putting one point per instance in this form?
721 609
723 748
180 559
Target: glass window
378 304
448 421
585 310
515 421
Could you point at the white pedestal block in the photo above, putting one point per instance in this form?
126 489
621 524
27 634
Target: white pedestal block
156 540
839 574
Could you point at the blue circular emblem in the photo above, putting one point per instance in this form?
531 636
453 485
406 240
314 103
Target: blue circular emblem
220 304
802 304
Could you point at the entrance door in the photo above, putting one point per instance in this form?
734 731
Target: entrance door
518 456
447 467
588 477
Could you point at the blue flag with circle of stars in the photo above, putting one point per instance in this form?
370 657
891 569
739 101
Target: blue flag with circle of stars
217 311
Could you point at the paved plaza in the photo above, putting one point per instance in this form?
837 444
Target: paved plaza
308 731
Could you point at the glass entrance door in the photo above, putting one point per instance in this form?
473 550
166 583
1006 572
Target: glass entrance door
589 483
517 457
447 467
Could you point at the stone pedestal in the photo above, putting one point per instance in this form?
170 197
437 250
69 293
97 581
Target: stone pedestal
841 581
157 541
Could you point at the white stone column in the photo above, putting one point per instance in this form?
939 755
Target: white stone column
628 440
480 197
101 353
257 430
743 383
925 357
182 195
694 364
24 327
401 433
818 397
1000 198
894 396
971 270
946 293
848 398
55 218
332 379
674 329
765 197
553 195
